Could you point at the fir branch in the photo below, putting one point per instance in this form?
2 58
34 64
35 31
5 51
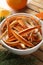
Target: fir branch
7 58
1 18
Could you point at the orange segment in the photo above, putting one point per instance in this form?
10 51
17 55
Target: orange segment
4 13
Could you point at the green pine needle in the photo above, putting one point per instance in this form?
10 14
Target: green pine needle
7 58
1 18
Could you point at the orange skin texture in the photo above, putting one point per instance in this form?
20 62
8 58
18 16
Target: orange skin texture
16 4
40 15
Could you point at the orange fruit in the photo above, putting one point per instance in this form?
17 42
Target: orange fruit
17 4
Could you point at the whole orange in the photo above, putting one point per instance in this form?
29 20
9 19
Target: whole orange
17 4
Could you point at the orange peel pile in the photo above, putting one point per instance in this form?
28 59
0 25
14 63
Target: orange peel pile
23 32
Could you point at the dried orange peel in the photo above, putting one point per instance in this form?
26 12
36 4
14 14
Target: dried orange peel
22 33
40 15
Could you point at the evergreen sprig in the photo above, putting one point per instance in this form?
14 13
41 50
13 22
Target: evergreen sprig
7 58
1 18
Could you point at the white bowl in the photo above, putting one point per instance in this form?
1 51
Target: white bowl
19 51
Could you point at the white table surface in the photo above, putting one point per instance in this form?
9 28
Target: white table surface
4 4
